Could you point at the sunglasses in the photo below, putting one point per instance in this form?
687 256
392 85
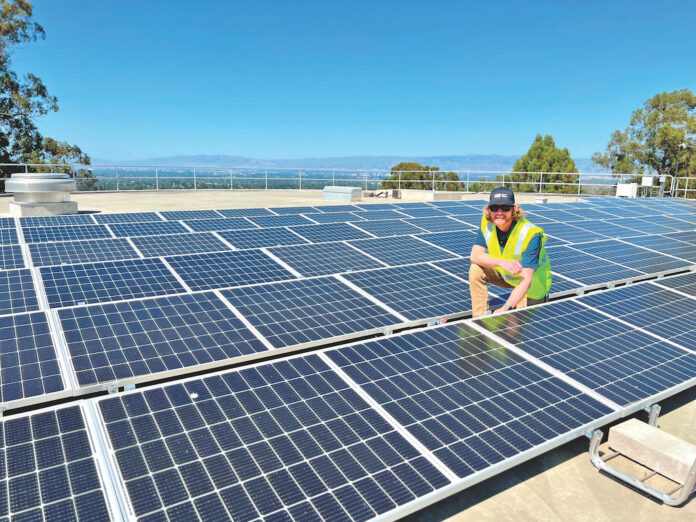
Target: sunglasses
496 208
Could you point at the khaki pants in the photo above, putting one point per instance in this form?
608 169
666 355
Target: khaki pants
479 279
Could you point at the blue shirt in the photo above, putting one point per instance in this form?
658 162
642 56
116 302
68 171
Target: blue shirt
530 257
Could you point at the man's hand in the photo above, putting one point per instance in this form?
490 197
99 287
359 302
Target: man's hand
514 267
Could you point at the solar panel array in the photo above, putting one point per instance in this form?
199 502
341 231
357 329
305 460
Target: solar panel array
93 302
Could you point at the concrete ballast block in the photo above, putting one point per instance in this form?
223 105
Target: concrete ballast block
668 455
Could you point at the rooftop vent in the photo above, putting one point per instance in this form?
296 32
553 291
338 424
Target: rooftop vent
41 194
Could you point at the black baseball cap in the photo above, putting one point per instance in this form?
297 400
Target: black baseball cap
502 196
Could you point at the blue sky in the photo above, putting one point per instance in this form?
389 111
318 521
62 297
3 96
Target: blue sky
143 79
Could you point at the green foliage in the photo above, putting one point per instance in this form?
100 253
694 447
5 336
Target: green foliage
26 98
543 156
420 177
660 138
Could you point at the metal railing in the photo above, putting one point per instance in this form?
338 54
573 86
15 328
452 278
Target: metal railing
155 177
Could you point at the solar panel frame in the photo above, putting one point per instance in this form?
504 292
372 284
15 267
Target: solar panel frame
324 258
262 237
642 259
178 244
280 221
49 221
148 228
683 283
294 210
439 224
401 250
180 215
338 208
458 242
214 225
590 270
375 215
335 217
65 233
127 217
665 245
84 251
388 227
423 212
330 232
246 212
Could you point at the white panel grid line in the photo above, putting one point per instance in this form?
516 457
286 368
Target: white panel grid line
442 468
183 224
458 256
108 228
223 240
161 216
633 326
308 216
290 229
352 224
550 369
63 354
176 275
365 253
652 251
24 247
371 298
130 242
282 263
444 271
244 320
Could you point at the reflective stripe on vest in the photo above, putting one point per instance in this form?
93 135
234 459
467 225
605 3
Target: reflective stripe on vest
521 237
489 232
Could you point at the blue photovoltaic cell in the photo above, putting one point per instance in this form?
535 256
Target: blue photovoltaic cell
611 230
261 237
70 285
412 205
459 242
377 206
49 221
307 310
128 217
657 310
330 232
49 469
211 225
441 204
587 269
423 212
666 245
591 213
438 224
174 244
17 292
28 361
558 215
401 250
374 215
65 233
338 208
8 236
335 217
294 210
644 225
610 357
560 284
684 283
68 252
11 257
464 397
471 219
175 215
569 233
244 212
388 227
288 440
6 222
223 269
676 225
280 221
324 258
117 341
416 291
687 237
147 228
635 257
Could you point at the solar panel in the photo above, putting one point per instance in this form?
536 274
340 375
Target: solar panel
417 204
65 233
8 236
28 361
147 228
438 224
377 206
223 269
610 357
17 292
133 341
308 311
330 232
49 469
6 222
590 213
128 217
666 245
689 218
422 212
635 257
443 204
687 237
262 237
211 225
611 230
294 210
675 224
458 242
11 257
70 285
641 225
289 440
176 215
684 283
335 217
464 211
416 291
67 252
557 215
280 221
388 227
655 309
373 215
324 258
174 244
567 232
474 220
338 208
585 268
48 221
467 399
245 212
401 250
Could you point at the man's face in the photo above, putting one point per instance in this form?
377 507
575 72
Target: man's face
501 216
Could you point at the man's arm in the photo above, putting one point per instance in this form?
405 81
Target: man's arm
519 291
481 258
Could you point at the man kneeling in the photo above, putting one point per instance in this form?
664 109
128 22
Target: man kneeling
508 252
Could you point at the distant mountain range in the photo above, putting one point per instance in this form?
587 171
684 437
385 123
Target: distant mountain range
477 162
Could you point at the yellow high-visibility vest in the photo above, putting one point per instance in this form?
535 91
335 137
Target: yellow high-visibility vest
517 243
